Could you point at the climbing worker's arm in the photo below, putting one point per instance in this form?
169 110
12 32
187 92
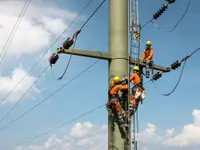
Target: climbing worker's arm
132 77
122 87
150 55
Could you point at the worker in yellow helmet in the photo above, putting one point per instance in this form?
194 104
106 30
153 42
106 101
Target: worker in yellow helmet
135 97
147 57
114 98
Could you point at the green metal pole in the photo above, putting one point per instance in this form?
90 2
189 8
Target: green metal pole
118 47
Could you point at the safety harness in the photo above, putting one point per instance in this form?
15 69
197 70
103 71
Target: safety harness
139 85
113 97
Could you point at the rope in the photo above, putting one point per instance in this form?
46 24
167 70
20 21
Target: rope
53 93
76 34
59 126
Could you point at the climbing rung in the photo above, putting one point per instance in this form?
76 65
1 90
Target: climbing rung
136 46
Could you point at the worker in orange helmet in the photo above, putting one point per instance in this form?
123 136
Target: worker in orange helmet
114 98
147 57
135 97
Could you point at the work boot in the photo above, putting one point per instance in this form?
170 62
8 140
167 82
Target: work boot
147 69
132 109
121 119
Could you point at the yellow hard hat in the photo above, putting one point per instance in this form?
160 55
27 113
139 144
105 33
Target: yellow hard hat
148 43
116 79
136 68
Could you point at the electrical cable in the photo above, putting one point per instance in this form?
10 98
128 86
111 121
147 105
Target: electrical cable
17 102
174 27
93 14
181 74
45 70
59 126
145 24
66 68
76 34
50 95
184 62
46 51
13 31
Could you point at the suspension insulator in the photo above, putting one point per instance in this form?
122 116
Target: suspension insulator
175 65
160 11
53 59
68 43
157 76
170 1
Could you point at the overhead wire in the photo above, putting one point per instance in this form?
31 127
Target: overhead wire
46 51
49 96
46 69
20 99
185 12
179 79
181 74
13 31
76 38
174 27
59 126
68 63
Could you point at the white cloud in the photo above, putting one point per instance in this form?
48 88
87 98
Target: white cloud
188 138
40 23
87 136
7 84
82 136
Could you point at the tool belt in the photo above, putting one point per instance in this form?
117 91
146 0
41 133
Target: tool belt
139 85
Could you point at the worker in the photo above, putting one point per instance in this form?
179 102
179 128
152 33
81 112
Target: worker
114 98
137 80
147 57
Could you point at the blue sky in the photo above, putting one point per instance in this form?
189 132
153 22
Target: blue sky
75 99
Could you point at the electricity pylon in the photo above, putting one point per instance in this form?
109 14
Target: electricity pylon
135 53
117 56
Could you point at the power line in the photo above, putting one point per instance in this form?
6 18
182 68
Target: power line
13 31
45 70
46 51
75 36
174 27
1 129
167 94
93 13
68 63
17 102
59 126
181 74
